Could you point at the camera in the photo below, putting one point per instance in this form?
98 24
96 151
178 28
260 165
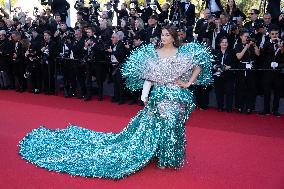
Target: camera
134 1
250 39
69 35
94 4
78 4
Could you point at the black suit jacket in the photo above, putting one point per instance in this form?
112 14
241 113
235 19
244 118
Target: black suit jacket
189 14
120 53
156 33
145 13
218 2
273 7
20 52
60 6
269 52
230 59
78 49
6 50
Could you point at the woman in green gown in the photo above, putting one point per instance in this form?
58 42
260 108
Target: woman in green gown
157 131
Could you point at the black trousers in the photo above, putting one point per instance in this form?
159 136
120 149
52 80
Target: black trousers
35 78
97 69
202 96
272 82
100 74
69 76
80 71
224 86
119 87
48 71
246 89
19 69
4 77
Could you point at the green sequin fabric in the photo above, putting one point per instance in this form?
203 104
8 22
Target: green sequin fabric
156 132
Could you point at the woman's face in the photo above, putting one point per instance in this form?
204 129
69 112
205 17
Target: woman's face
224 43
136 24
166 37
122 23
231 3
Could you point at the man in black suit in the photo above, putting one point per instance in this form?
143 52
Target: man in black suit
118 56
273 7
122 13
272 49
146 12
254 21
61 7
95 58
153 30
33 59
201 25
18 61
6 50
78 54
49 53
215 7
188 12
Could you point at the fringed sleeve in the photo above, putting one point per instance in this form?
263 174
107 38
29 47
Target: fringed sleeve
132 70
201 56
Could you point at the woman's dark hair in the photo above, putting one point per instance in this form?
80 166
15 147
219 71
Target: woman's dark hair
173 32
234 7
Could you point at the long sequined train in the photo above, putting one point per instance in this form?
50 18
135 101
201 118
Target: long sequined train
157 131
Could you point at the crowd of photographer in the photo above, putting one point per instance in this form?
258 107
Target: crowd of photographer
248 55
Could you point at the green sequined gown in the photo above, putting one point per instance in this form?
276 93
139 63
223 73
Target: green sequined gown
157 131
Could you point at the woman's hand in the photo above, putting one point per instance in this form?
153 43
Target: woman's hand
183 84
145 101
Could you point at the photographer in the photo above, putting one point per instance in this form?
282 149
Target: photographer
227 25
109 11
122 13
253 16
188 12
214 33
124 27
82 10
118 55
42 25
272 49
55 24
49 52
95 60
138 29
145 11
246 52
176 12
78 55
202 24
62 32
233 11
33 54
164 11
6 50
223 78
61 7
68 65
281 25
18 63
215 7
153 30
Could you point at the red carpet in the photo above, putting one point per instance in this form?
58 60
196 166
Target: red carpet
225 151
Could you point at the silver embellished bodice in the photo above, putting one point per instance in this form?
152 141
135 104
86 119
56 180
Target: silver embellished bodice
165 71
